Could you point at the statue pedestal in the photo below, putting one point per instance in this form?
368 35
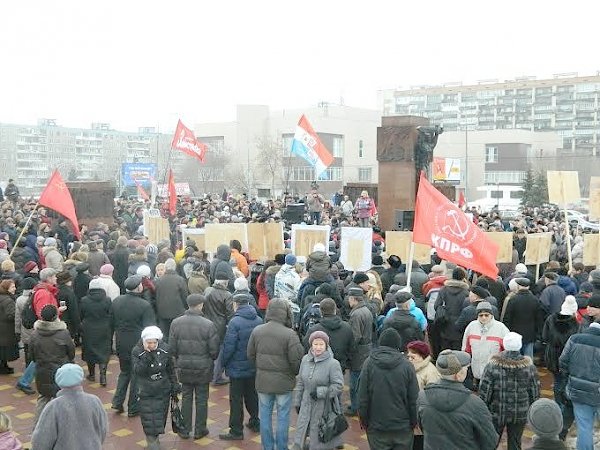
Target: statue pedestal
396 145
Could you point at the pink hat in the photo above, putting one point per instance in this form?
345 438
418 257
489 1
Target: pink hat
29 266
107 269
3 244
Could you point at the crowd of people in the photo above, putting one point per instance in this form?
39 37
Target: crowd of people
445 359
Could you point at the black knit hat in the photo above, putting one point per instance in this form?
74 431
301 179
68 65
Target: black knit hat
390 338
360 277
49 313
480 292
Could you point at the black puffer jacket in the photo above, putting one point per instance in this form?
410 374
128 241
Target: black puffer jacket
96 326
453 295
155 372
50 347
72 316
557 331
131 314
194 344
406 325
524 315
341 338
388 391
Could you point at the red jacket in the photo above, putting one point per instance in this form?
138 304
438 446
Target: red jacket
434 283
44 294
263 296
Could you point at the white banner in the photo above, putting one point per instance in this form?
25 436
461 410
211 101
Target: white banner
355 248
180 188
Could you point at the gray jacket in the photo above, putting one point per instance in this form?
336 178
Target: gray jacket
171 295
361 321
275 350
323 376
218 308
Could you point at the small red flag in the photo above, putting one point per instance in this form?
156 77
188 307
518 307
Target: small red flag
440 224
56 196
184 140
141 192
172 194
461 199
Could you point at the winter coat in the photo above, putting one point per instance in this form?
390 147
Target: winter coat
523 315
453 295
261 290
135 262
426 372
235 344
130 315
287 283
8 441
363 207
275 350
387 278
220 263
81 283
580 361
453 418
74 420
8 339
197 282
96 259
156 380
21 256
341 338
20 303
361 322
387 392
482 342
171 295
120 261
50 347
240 262
96 327
72 316
194 344
321 375
509 385
557 331
418 278
270 275
53 258
318 265
552 298
44 294
218 308
406 325
414 311
111 288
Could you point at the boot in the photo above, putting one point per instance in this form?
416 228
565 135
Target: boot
103 375
91 372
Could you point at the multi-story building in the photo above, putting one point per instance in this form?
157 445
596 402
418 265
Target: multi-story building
566 104
255 149
29 153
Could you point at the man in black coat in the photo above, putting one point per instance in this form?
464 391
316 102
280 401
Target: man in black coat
388 391
524 315
120 261
194 343
403 321
171 292
131 314
451 298
341 339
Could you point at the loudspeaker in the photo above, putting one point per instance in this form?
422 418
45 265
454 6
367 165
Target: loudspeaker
404 220
294 213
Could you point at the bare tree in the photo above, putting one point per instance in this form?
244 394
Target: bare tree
270 159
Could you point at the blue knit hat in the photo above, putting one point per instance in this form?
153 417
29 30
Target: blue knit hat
69 375
290 259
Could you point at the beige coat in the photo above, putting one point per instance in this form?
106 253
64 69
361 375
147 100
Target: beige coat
426 373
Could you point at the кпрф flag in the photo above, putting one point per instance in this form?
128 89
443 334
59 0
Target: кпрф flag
56 196
455 238
184 140
307 145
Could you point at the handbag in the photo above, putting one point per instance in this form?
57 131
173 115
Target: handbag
177 422
332 423
441 314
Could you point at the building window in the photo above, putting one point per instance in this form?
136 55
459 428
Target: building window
360 149
364 174
496 194
516 194
491 154
338 147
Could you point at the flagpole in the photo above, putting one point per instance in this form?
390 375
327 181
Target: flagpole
23 230
411 255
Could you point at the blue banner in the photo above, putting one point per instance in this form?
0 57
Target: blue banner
142 172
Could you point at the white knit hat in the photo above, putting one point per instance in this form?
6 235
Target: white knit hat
569 306
151 332
512 342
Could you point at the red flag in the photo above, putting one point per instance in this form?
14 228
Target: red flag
440 224
172 194
184 140
461 199
141 192
56 196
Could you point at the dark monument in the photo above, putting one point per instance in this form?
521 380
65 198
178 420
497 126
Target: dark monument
94 201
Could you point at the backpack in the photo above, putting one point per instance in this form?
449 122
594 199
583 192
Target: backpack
310 318
28 316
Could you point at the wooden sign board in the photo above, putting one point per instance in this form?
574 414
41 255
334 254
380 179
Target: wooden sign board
398 243
195 234
537 250
304 238
222 233
591 250
265 240
594 201
156 229
355 248
505 245
563 187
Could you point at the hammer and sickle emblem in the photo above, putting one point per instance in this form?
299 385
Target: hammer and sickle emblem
459 229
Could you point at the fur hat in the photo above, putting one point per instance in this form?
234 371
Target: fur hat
512 342
318 335
151 332
240 284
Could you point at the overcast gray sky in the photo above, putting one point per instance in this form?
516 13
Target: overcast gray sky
146 63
